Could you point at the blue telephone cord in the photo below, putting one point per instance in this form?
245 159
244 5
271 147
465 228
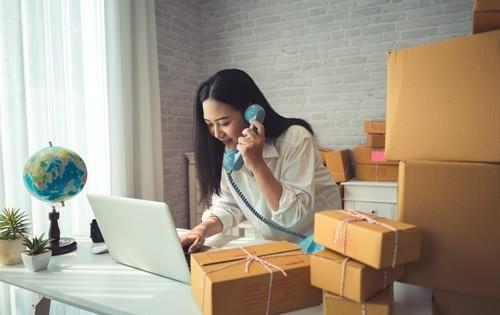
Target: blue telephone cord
258 215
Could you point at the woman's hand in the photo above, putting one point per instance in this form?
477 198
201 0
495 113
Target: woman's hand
194 239
251 146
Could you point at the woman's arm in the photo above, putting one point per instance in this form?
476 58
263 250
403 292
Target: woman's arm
251 146
209 227
271 188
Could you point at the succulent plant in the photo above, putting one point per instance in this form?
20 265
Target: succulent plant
13 223
36 246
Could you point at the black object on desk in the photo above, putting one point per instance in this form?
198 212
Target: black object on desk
95 232
58 245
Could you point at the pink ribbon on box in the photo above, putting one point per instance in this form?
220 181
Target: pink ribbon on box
353 216
342 276
248 260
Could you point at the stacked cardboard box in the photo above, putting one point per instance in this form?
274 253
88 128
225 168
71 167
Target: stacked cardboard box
443 119
364 255
338 163
486 16
369 159
221 284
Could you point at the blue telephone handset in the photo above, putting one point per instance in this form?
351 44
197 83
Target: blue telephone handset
233 161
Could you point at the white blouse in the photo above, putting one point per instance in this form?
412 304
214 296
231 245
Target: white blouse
294 160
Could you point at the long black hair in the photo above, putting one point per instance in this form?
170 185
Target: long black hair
237 89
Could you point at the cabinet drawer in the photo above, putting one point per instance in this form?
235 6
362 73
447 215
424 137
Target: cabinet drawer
385 192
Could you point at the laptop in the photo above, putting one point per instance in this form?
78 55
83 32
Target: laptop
141 234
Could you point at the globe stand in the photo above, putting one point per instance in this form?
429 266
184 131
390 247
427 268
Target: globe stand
58 245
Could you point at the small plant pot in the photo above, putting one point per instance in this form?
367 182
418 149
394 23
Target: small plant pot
10 251
36 262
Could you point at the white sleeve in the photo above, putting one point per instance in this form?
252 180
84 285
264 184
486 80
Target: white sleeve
297 180
225 208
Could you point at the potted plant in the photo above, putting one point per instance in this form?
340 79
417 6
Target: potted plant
37 254
13 226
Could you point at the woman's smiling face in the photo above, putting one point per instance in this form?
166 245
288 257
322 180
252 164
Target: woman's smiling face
223 121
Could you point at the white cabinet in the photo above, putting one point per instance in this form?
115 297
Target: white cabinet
379 198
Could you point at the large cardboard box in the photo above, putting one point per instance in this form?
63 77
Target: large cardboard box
457 206
381 304
376 172
370 243
220 284
348 278
339 164
450 303
485 16
443 100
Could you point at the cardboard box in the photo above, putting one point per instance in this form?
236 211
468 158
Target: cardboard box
378 173
367 155
450 303
220 284
441 108
360 282
369 243
375 140
322 152
485 16
339 164
457 206
374 126
381 304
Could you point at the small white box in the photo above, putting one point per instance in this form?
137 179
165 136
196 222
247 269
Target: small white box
379 198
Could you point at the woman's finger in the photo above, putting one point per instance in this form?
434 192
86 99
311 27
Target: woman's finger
244 140
195 246
249 134
260 127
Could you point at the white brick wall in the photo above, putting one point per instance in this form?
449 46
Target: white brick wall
322 60
178 31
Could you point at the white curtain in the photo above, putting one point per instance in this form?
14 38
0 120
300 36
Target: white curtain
84 75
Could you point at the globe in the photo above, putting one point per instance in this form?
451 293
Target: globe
55 174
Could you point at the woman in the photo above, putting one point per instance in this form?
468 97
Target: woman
283 178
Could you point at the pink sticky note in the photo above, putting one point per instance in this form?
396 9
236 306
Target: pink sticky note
378 156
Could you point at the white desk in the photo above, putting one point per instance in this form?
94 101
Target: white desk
98 284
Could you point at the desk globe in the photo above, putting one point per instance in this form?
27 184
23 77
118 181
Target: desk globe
54 175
